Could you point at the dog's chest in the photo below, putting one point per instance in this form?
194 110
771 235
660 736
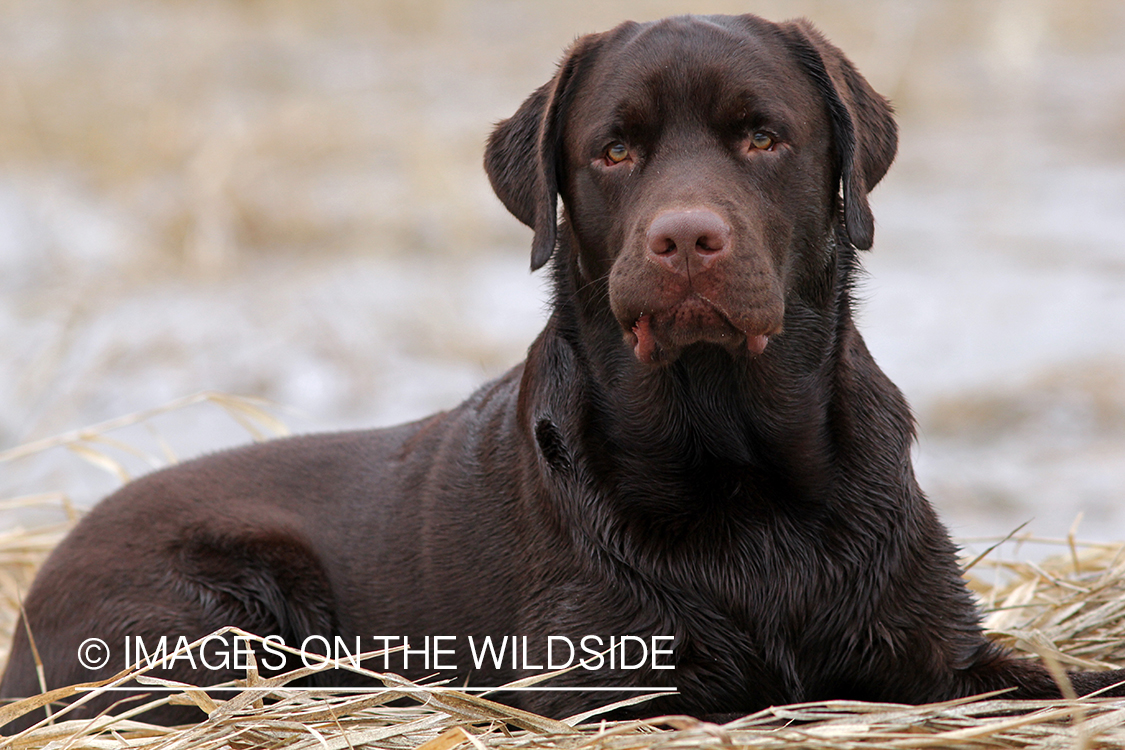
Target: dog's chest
749 613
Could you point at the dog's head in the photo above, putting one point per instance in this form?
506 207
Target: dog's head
702 162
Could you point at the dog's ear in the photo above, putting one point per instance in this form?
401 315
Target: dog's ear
863 127
525 152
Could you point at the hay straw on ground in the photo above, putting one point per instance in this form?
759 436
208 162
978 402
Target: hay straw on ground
1069 609
450 720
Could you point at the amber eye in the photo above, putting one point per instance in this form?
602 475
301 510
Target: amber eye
761 141
617 153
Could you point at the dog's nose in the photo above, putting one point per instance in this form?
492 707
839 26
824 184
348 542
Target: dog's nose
688 242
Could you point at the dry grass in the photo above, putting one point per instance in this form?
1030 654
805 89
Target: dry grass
444 719
1067 609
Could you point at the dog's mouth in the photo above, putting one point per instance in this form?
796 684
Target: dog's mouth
659 337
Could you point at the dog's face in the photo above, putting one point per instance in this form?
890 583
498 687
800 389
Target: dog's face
685 148
700 162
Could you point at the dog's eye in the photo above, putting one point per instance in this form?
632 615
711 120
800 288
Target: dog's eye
761 141
617 153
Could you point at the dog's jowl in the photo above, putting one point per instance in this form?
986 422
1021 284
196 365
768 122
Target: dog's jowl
699 479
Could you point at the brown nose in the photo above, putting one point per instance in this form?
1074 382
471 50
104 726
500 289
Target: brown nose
688 242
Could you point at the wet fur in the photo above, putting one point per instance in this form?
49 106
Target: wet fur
761 509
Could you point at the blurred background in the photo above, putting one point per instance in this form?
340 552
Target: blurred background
285 199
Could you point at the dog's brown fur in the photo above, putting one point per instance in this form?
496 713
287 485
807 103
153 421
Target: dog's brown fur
698 445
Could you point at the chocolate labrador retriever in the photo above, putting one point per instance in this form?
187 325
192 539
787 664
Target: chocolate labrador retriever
699 479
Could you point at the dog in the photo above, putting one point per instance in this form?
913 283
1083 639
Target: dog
698 459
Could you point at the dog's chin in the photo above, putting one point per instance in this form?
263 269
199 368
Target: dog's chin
659 339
